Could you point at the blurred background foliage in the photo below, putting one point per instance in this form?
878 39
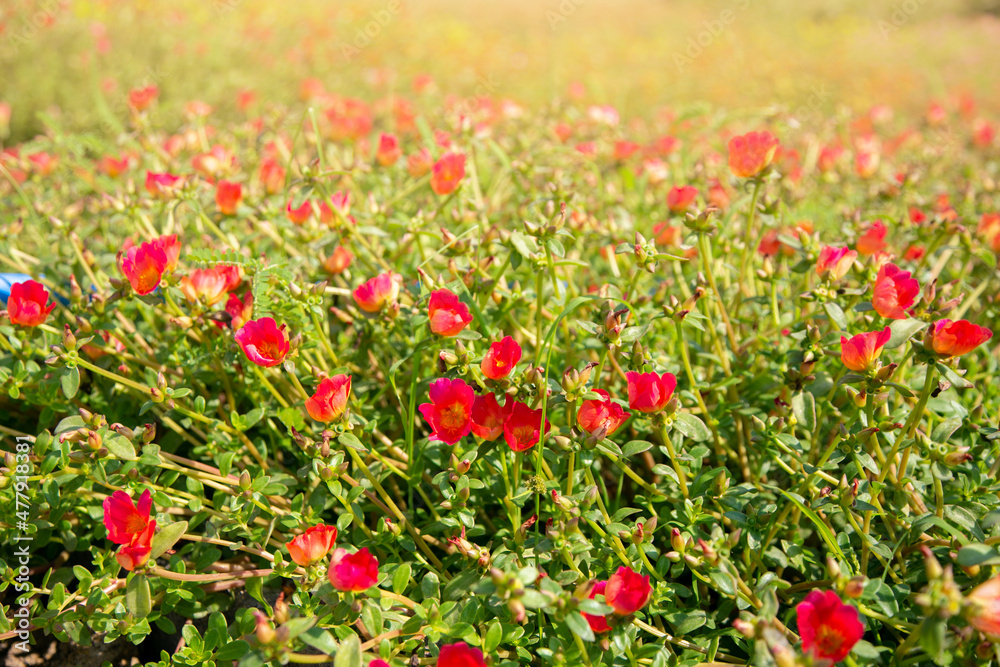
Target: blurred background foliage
639 55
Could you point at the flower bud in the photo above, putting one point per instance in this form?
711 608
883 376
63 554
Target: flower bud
855 587
281 615
265 632
245 480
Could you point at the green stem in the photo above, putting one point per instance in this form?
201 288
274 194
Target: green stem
681 477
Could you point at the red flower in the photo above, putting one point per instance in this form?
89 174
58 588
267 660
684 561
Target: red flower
627 591
649 392
163 186
523 427
389 151
605 414
597 623
829 628
501 358
312 545
301 214
861 351
272 175
144 266
873 240
240 311
141 99
211 285
488 417
372 295
228 196
353 572
448 316
42 163
460 655
625 149
447 173
338 261
263 342
450 411
984 607
751 153
894 292
953 339
130 526
680 198
330 399
835 261
26 304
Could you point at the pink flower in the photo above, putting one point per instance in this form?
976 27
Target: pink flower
450 411
894 292
448 316
263 342
353 572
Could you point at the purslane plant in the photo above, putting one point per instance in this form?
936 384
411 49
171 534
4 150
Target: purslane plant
547 391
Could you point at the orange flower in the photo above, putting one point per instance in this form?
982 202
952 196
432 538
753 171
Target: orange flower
272 175
605 414
862 351
894 292
419 163
680 198
210 286
389 151
330 400
373 295
228 196
299 215
338 261
835 262
448 173
873 240
953 339
143 266
312 546
141 99
983 607
501 358
752 153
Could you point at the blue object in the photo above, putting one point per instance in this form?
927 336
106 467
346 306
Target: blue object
8 280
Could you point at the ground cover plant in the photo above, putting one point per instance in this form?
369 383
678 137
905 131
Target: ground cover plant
423 379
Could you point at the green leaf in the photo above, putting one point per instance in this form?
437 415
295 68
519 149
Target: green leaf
121 447
70 381
320 639
804 409
167 538
493 636
579 626
635 447
349 654
977 554
350 440
234 650
904 330
524 244
824 530
292 418
401 579
137 598
691 427
836 315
